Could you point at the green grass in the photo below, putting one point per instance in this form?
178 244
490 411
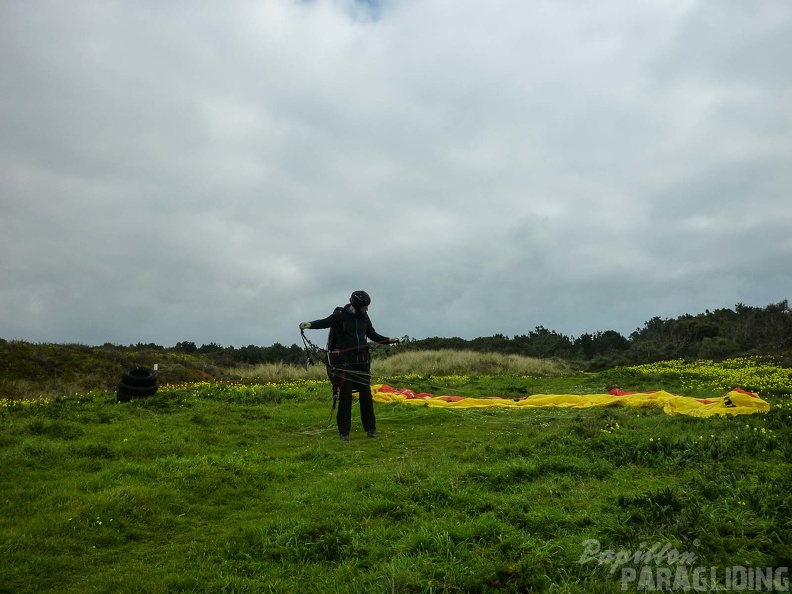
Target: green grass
244 488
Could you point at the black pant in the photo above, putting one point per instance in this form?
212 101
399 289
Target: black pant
353 382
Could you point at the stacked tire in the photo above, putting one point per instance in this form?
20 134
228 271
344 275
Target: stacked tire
137 382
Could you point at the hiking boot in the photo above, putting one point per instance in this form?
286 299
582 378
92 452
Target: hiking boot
371 433
344 437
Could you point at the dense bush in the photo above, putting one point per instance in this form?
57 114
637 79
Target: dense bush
716 335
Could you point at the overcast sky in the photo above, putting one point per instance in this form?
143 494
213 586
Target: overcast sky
221 171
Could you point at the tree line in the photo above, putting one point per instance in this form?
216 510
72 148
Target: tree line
719 334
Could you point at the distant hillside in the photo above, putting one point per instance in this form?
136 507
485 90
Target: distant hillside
30 369
27 369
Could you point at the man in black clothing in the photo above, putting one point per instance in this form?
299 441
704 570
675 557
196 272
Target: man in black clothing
349 327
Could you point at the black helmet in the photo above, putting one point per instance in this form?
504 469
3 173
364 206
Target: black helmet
360 299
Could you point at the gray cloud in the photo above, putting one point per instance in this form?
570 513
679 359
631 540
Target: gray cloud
186 171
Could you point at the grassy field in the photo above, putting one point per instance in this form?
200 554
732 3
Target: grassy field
243 487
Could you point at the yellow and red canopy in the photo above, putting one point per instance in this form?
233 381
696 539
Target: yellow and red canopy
734 402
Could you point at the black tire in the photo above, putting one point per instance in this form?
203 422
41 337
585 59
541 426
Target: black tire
122 397
136 391
141 377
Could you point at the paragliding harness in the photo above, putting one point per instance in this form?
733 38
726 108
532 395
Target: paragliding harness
332 358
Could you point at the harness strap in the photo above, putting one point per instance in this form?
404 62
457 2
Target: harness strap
314 352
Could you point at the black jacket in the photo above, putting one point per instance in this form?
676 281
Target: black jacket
348 333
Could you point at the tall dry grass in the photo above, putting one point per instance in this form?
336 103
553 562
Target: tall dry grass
278 372
423 363
453 362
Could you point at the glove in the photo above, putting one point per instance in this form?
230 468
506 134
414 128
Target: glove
393 340
305 325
